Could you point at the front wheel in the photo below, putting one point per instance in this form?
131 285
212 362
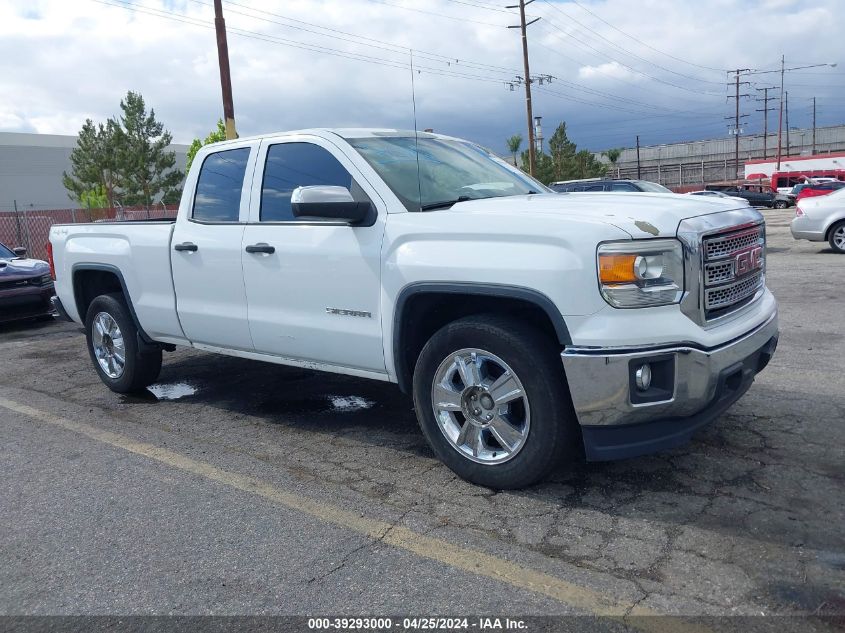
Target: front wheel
781 204
837 237
114 349
491 399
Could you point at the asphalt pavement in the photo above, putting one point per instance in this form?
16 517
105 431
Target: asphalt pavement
235 488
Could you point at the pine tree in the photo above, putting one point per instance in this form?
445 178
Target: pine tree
147 168
564 162
94 163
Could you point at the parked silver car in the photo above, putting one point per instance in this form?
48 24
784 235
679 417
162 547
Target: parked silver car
821 218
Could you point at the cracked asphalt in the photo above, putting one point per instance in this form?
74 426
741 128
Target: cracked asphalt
746 520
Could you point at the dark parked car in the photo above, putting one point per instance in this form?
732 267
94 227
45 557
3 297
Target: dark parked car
26 286
603 184
755 194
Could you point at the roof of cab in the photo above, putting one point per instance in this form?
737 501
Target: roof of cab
345 133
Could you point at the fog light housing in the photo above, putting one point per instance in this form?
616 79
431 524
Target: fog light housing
643 377
651 379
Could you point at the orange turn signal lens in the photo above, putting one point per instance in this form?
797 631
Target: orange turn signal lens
617 268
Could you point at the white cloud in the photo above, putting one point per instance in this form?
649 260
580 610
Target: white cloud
610 69
61 62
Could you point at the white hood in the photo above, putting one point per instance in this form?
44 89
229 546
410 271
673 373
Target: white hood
642 215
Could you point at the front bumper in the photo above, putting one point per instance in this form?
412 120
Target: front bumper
25 303
700 384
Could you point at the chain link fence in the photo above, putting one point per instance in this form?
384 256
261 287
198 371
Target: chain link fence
31 228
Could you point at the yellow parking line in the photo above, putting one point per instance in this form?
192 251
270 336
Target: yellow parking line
435 549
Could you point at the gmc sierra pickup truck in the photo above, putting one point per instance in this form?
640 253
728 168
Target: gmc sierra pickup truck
528 325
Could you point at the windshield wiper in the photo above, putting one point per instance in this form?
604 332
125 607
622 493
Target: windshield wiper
444 203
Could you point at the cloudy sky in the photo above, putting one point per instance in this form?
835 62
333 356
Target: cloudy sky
656 68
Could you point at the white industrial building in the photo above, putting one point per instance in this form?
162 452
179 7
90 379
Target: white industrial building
31 167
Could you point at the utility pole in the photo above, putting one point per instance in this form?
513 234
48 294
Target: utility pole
786 107
523 26
814 127
780 114
765 110
225 74
737 115
639 175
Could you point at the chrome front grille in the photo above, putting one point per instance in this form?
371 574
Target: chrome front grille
733 269
726 245
718 272
728 295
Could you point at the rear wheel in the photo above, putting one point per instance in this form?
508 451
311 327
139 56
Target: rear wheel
837 237
114 349
781 204
491 400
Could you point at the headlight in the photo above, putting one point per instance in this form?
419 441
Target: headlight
641 273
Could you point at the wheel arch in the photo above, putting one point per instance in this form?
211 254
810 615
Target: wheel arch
831 226
91 280
422 308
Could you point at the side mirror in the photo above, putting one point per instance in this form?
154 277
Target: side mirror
19 251
328 203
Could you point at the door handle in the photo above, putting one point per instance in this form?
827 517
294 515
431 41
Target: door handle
261 247
186 246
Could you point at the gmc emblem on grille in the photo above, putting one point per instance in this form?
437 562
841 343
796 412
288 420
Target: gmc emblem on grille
748 261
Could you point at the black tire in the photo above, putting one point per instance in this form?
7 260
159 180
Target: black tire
141 368
781 204
832 236
534 357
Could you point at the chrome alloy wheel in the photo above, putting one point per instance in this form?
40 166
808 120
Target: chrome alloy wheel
480 406
839 237
109 348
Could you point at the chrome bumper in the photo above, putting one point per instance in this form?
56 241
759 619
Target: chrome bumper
600 380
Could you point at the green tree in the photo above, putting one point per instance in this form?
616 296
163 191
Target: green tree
148 168
564 162
513 145
216 135
94 198
94 163
613 156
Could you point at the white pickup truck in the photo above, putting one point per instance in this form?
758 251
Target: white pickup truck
527 324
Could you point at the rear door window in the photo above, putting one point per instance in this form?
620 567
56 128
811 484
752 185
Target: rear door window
221 180
622 186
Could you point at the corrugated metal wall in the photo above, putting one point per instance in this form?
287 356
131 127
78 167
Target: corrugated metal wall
712 160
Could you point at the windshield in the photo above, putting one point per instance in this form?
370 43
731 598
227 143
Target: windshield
449 171
6 253
653 187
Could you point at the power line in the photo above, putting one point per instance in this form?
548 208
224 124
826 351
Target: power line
625 50
631 68
399 47
400 64
639 41
439 15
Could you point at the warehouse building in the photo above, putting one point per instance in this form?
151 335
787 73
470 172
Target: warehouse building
31 167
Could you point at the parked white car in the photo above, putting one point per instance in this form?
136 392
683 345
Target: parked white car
820 219
525 323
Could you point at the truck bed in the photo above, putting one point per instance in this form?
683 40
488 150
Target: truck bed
136 251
